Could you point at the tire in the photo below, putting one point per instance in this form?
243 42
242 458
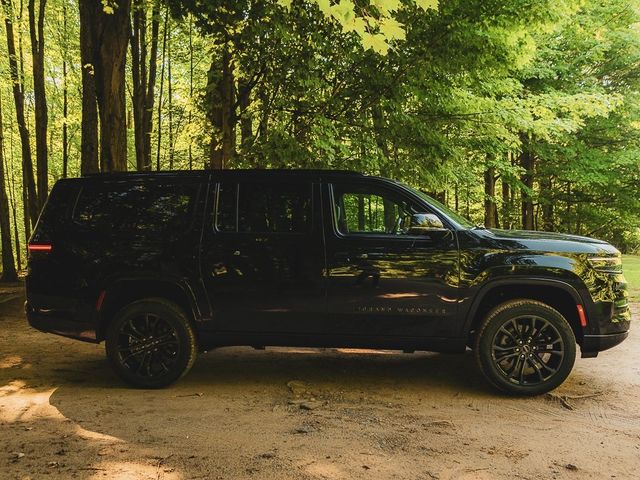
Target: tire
525 347
151 343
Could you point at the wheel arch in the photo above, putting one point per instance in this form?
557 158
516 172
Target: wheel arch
123 292
555 293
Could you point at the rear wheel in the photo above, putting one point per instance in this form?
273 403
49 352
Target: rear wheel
525 347
151 343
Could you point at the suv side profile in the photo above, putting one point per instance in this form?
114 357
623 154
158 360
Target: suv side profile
163 265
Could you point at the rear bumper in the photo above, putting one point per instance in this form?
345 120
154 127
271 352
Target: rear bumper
592 344
55 322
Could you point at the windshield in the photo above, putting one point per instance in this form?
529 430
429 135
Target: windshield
452 214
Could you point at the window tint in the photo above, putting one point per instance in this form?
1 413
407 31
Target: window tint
367 210
226 207
136 208
260 208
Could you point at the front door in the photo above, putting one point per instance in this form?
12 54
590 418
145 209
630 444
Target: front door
384 281
263 258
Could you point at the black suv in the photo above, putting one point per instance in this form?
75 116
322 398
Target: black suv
161 265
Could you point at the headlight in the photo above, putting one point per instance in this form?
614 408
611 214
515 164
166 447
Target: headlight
606 264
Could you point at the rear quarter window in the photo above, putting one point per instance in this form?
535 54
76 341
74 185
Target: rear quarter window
136 208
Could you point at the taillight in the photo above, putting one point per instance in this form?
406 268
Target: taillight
39 247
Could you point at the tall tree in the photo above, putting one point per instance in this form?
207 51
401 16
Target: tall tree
106 30
65 95
8 265
36 32
29 185
160 105
89 127
144 78
527 160
490 206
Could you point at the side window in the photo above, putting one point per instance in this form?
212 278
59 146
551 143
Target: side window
135 207
364 209
227 207
264 208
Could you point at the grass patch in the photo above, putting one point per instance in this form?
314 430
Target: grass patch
631 267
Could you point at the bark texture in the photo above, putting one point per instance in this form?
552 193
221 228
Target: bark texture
89 130
108 32
490 206
143 69
8 266
36 32
220 90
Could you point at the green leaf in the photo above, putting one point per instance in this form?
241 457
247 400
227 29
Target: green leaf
387 6
324 5
427 4
343 12
392 29
376 42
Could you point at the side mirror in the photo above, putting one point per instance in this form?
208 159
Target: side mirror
425 224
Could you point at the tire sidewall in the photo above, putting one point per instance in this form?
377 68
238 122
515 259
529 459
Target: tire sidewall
504 313
172 314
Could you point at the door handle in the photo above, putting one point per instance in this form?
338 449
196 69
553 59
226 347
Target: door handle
236 253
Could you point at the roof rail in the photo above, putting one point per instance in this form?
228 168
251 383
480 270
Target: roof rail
230 170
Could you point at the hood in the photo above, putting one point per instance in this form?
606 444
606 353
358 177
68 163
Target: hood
547 241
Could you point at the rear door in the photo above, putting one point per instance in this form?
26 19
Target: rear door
382 281
263 258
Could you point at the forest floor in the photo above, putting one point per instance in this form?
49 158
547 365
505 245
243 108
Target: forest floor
306 414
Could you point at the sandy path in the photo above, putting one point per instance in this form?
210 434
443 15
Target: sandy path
381 415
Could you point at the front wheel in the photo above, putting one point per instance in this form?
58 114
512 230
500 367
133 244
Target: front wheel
525 347
151 343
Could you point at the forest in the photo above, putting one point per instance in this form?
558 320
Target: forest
516 113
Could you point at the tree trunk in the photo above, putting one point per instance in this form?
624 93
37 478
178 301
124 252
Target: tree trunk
151 83
170 106
138 74
565 220
221 110
13 202
527 162
546 205
246 121
190 89
456 196
265 114
144 79
164 50
490 207
29 186
65 98
109 31
89 126
36 31
506 205
110 85
8 266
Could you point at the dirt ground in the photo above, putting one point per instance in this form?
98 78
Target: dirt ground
306 414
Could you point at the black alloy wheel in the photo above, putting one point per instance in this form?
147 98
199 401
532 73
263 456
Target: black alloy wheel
528 350
525 347
151 343
148 345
